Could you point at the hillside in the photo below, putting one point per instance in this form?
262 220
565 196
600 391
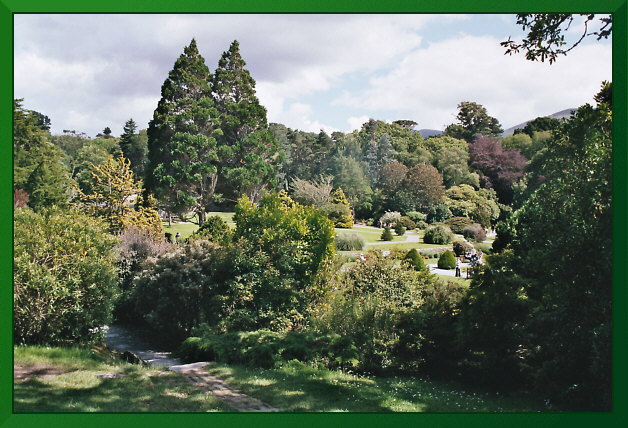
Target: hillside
558 115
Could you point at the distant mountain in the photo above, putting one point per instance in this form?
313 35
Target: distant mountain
429 132
558 115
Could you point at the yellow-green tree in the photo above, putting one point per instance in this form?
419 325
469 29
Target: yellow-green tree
113 191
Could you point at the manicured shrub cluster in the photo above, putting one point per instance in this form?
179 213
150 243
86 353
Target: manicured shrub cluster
349 242
421 225
447 260
438 234
474 232
430 254
457 224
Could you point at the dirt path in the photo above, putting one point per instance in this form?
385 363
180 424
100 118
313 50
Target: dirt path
122 339
232 397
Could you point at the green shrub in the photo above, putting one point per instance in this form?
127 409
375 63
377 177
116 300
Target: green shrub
215 229
387 234
264 348
64 277
339 214
447 260
474 232
349 242
400 229
407 222
416 216
265 279
429 254
438 235
457 224
416 261
394 315
421 225
461 247
438 213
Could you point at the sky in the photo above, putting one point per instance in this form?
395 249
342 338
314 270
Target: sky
312 72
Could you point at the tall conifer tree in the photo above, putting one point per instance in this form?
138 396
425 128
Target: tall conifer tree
182 146
250 151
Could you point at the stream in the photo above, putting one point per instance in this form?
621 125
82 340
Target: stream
121 338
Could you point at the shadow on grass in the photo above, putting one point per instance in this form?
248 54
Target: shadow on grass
300 388
133 391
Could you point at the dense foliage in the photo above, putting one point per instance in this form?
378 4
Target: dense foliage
64 276
438 234
266 277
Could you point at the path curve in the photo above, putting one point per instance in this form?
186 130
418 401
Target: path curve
123 339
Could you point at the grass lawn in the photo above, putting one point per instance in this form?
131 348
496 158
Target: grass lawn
296 387
370 235
186 229
71 383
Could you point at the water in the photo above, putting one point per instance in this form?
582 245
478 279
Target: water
123 339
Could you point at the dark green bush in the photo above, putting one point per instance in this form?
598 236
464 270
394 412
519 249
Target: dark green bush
400 229
474 232
349 242
447 260
457 224
264 348
438 235
461 247
415 259
387 234
215 229
438 213
64 277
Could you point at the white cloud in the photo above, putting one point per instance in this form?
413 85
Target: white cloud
99 56
300 113
429 83
356 122
110 68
